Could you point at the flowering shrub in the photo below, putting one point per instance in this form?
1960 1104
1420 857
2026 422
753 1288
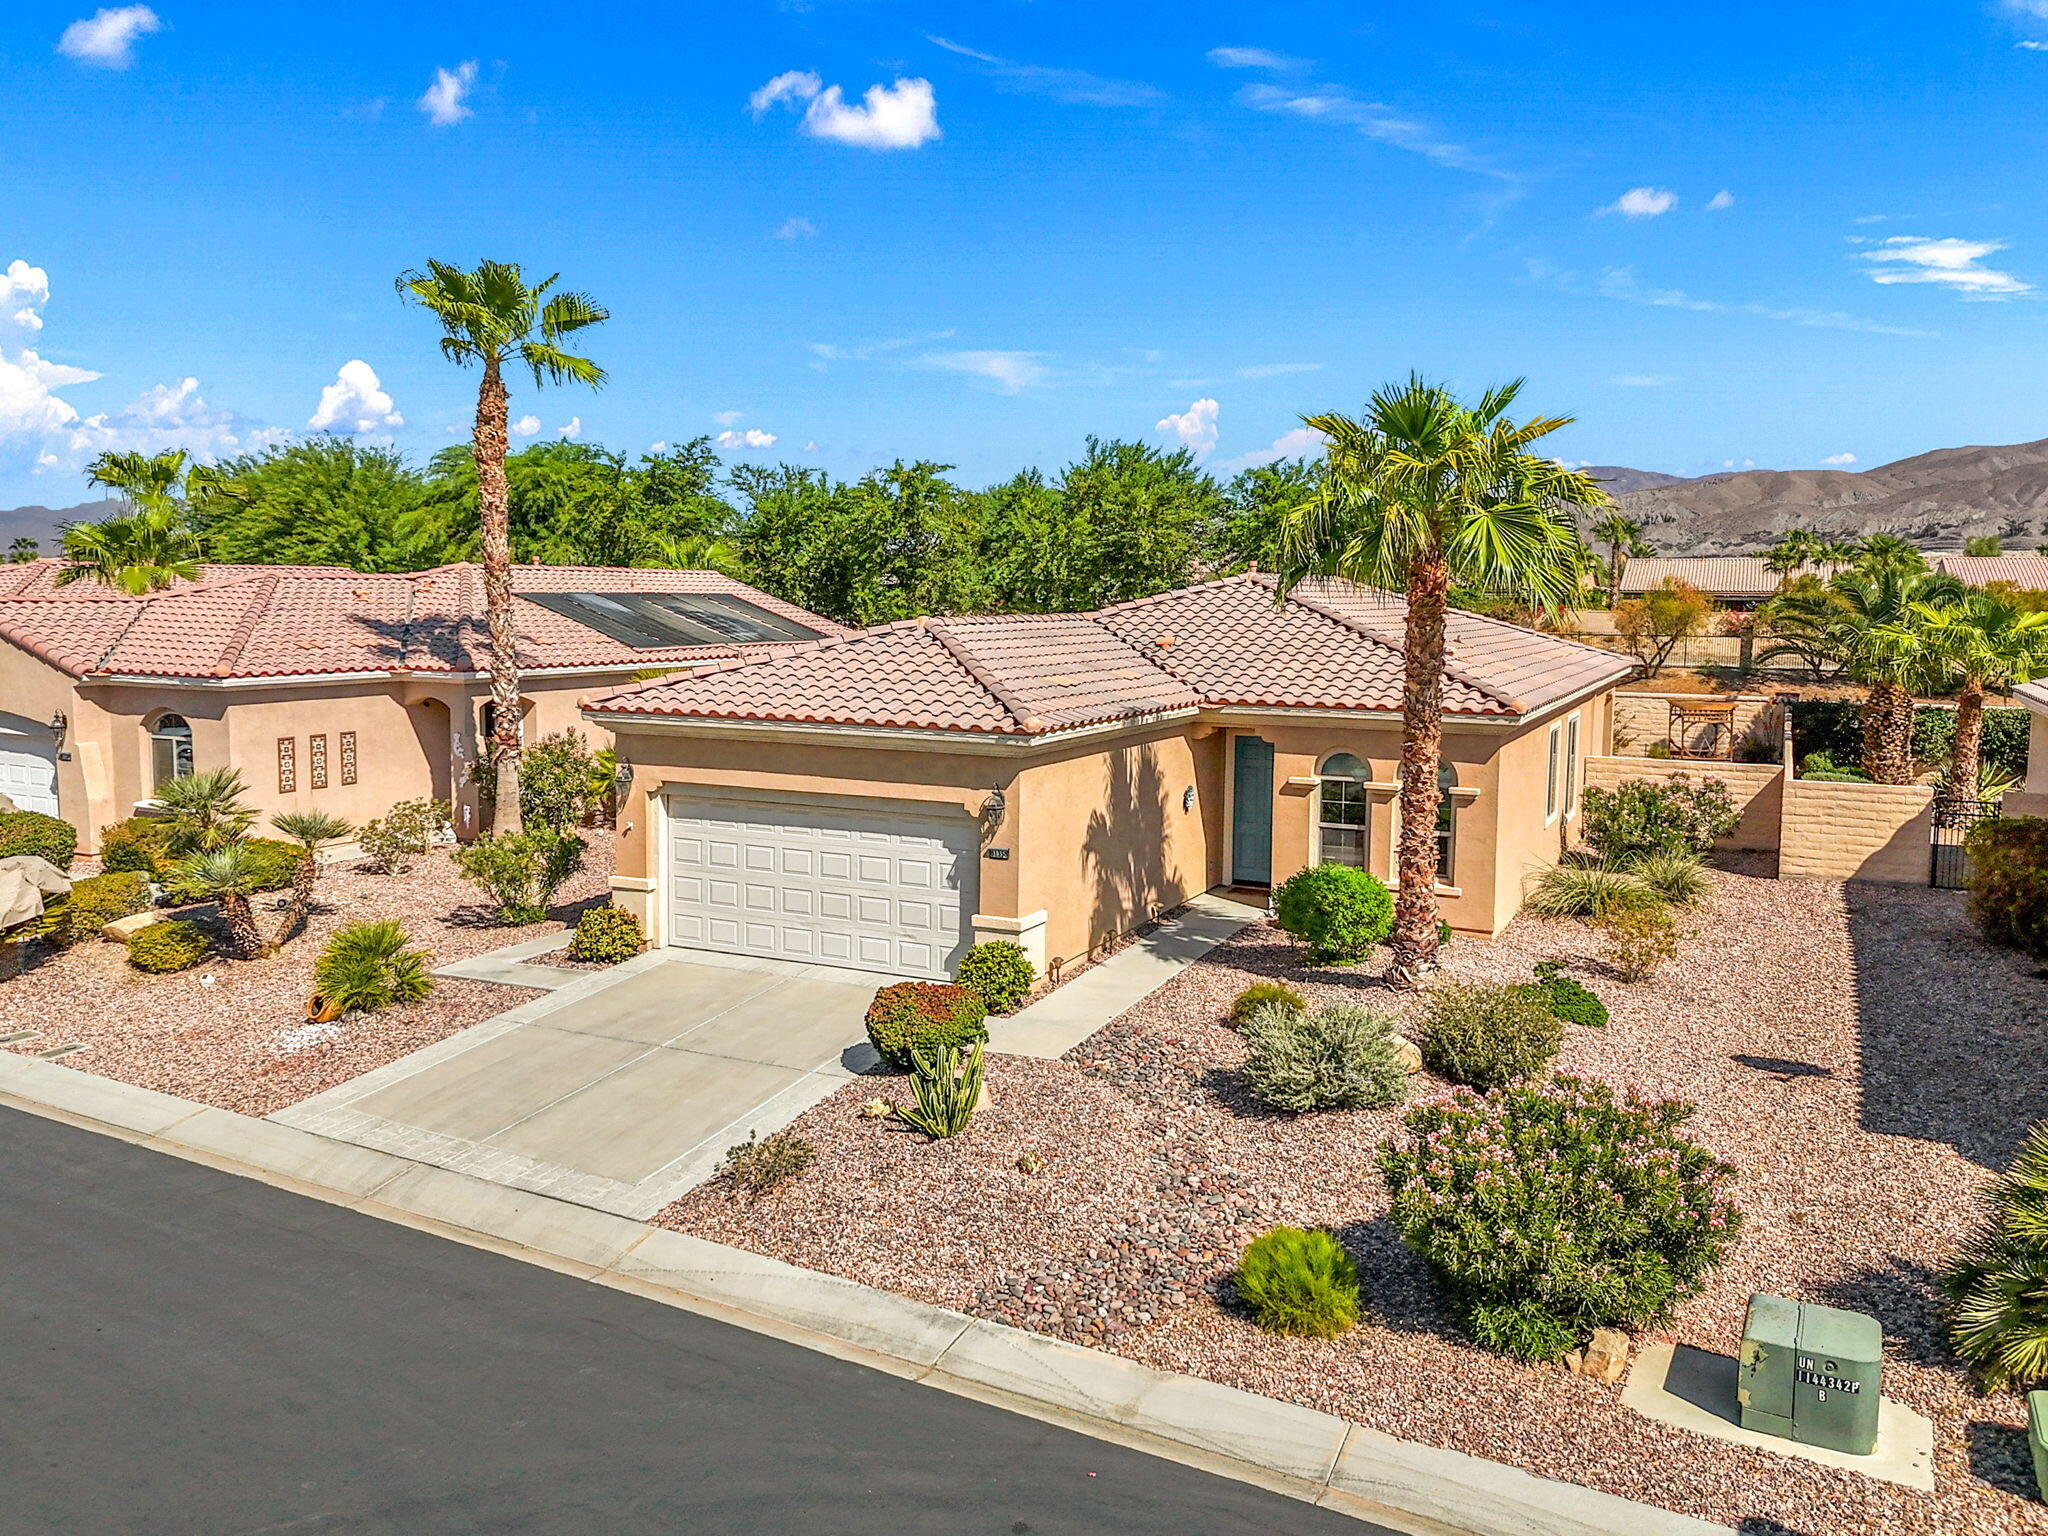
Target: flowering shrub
1550 1211
1637 819
921 1016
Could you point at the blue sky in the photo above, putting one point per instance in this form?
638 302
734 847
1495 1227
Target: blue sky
1772 234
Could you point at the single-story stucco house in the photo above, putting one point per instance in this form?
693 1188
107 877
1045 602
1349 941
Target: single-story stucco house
885 799
329 689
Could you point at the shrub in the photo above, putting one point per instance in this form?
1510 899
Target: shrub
1340 1057
2009 881
999 973
1587 890
31 832
945 1091
366 966
1300 1283
1639 940
1265 994
1488 1036
1833 728
276 862
402 833
606 935
139 845
1997 1288
756 1167
1678 878
521 871
913 1016
1637 818
1342 914
1550 1210
1572 1002
555 778
96 901
172 945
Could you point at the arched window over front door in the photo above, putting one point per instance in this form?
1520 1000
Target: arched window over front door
170 750
1446 825
1342 833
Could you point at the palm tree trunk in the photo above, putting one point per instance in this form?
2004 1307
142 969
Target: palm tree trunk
1888 734
1966 755
494 515
239 918
1415 911
1613 576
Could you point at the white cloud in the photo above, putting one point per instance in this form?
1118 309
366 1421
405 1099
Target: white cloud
1743 464
727 418
1639 380
753 438
1720 200
1951 263
1009 371
571 429
29 404
1839 460
24 290
1620 283
2032 45
1301 443
526 426
1275 370
445 100
1374 119
168 416
660 447
899 116
796 229
106 38
1195 426
1642 203
1076 87
1252 58
355 402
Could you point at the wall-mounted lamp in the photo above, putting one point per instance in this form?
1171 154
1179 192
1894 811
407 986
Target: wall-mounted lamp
59 724
994 807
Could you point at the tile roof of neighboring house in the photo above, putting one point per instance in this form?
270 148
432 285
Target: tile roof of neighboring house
1330 645
278 621
2029 571
1716 575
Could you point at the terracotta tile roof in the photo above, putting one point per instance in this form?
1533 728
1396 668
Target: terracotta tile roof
2029 571
1716 575
1330 645
277 621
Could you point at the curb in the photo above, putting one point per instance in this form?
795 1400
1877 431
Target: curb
1312 1456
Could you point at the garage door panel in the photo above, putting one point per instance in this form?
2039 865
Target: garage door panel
28 773
876 890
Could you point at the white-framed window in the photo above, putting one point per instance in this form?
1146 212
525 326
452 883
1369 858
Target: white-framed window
1343 833
1571 766
1551 783
1446 825
170 750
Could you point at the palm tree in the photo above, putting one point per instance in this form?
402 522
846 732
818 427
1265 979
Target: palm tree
229 875
491 317
203 812
1984 641
1888 549
1623 537
1421 491
23 550
310 830
1796 549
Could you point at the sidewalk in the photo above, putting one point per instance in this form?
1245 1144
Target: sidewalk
1312 1456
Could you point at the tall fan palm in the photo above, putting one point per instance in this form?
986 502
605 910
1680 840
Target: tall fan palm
1796 549
1421 491
1888 549
492 318
1623 537
1984 641
147 547
203 812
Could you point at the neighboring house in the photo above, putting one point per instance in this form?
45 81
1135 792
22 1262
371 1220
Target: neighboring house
2031 799
2028 571
1735 581
329 689
884 799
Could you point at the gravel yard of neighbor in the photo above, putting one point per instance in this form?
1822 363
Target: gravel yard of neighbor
233 1033
1862 1058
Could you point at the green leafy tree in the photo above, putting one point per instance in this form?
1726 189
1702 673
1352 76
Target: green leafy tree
1983 546
491 318
1657 623
322 501
1984 640
1420 491
1255 505
1139 516
1623 537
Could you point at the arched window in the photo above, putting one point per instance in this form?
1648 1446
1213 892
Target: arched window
1446 824
1342 833
170 750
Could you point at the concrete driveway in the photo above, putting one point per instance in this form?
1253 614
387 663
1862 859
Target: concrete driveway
622 1089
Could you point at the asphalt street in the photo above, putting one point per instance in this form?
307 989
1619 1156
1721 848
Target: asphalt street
185 1352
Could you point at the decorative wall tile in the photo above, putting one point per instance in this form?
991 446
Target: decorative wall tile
348 757
316 760
287 764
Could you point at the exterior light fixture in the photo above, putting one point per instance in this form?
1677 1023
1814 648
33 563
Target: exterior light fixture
59 724
994 807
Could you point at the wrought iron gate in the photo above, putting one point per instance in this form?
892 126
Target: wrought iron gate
1948 865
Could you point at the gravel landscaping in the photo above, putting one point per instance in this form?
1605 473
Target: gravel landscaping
233 1033
1856 1051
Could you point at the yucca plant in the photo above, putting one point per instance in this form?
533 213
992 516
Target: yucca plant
311 830
1588 890
1997 1288
203 812
366 966
1677 878
228 875
946 1091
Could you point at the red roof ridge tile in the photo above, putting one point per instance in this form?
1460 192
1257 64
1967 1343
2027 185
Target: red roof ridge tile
245 626
1019 711
1452 669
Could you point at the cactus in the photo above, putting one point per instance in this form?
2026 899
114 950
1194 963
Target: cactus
946 1091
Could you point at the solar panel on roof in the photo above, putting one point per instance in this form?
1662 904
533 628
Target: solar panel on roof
665 620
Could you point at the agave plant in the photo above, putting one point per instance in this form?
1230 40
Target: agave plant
1998 1288
946 1091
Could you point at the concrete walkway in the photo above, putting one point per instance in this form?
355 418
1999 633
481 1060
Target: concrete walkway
513 965
620 1089
1061 1020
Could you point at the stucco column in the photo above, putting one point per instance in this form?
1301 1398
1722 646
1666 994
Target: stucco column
1000 855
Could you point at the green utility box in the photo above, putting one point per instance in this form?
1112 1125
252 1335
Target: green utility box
1811 1374
2037 1438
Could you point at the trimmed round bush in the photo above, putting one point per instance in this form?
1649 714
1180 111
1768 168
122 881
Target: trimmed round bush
31 832
999 973
922 1016
96 901
137 846
172 945
1265 994
1549 1210
606 935
1340 1057
276 861
1571 1001
1342 914
1487 1036
1298 1282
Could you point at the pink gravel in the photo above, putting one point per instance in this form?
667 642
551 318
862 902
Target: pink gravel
1861 1056
233 1033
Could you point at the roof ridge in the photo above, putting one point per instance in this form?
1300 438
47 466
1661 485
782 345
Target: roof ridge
1160 597
1454 670
769 653
245 627
1018 710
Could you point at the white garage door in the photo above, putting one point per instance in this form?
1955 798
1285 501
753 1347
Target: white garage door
875 890
28 772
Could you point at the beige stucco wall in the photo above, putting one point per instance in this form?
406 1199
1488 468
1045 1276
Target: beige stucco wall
1641 717
1758 790
1856 831
2037 751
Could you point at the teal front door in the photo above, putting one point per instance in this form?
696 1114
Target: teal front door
1251 812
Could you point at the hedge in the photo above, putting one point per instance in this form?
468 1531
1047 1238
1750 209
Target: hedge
1835 726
